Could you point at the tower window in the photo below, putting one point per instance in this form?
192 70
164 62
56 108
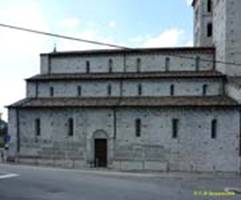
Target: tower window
70 127
138 127
51 91
87 66
109 90
175 124
209 30
138 65
209 6
167 63
139 89
205 87
79 90
172 90
110 65
37 127
214 129
197 63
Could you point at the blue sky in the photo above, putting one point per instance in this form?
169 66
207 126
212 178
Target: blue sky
135 23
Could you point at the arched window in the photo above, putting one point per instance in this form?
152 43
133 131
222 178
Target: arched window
87 66
109 90
172 90
138 65
139 90
205 87
138 127
209 30
110 64
197 63
167 64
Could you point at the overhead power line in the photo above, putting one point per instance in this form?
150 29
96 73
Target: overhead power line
105 44
63 36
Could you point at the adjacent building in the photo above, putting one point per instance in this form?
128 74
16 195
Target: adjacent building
164 109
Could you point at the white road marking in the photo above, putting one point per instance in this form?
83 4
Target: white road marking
5 176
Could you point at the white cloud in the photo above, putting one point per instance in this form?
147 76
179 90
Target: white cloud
168 38
189 2
112 24
19 50
69 23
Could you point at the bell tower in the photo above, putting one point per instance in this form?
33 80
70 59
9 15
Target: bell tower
203 22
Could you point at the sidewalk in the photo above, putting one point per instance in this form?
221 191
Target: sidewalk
107 172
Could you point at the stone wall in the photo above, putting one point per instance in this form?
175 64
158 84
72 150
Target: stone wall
155 87
193 150
179 61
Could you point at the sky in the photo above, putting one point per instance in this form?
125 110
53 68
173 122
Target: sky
135 23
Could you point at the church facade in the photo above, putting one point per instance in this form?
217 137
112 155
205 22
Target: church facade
162 109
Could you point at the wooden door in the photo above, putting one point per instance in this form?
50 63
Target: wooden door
100 153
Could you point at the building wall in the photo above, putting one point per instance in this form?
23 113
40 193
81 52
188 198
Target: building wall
98 88
179 61
193 150
226 35
202 17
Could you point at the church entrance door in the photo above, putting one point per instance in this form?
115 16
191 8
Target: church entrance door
100 152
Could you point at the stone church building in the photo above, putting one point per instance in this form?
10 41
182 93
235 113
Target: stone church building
163 109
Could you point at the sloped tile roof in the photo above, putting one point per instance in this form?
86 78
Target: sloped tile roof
211 101
128 75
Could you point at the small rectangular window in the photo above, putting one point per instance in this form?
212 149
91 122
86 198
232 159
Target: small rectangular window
175 124
37 127
109 90
172 90
110 65
79 91
214 129
51 91
138 127
209 6
138 65
139 90
209 30
205 87
70 127
87 67
167 64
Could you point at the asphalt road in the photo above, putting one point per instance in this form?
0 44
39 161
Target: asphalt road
32 183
